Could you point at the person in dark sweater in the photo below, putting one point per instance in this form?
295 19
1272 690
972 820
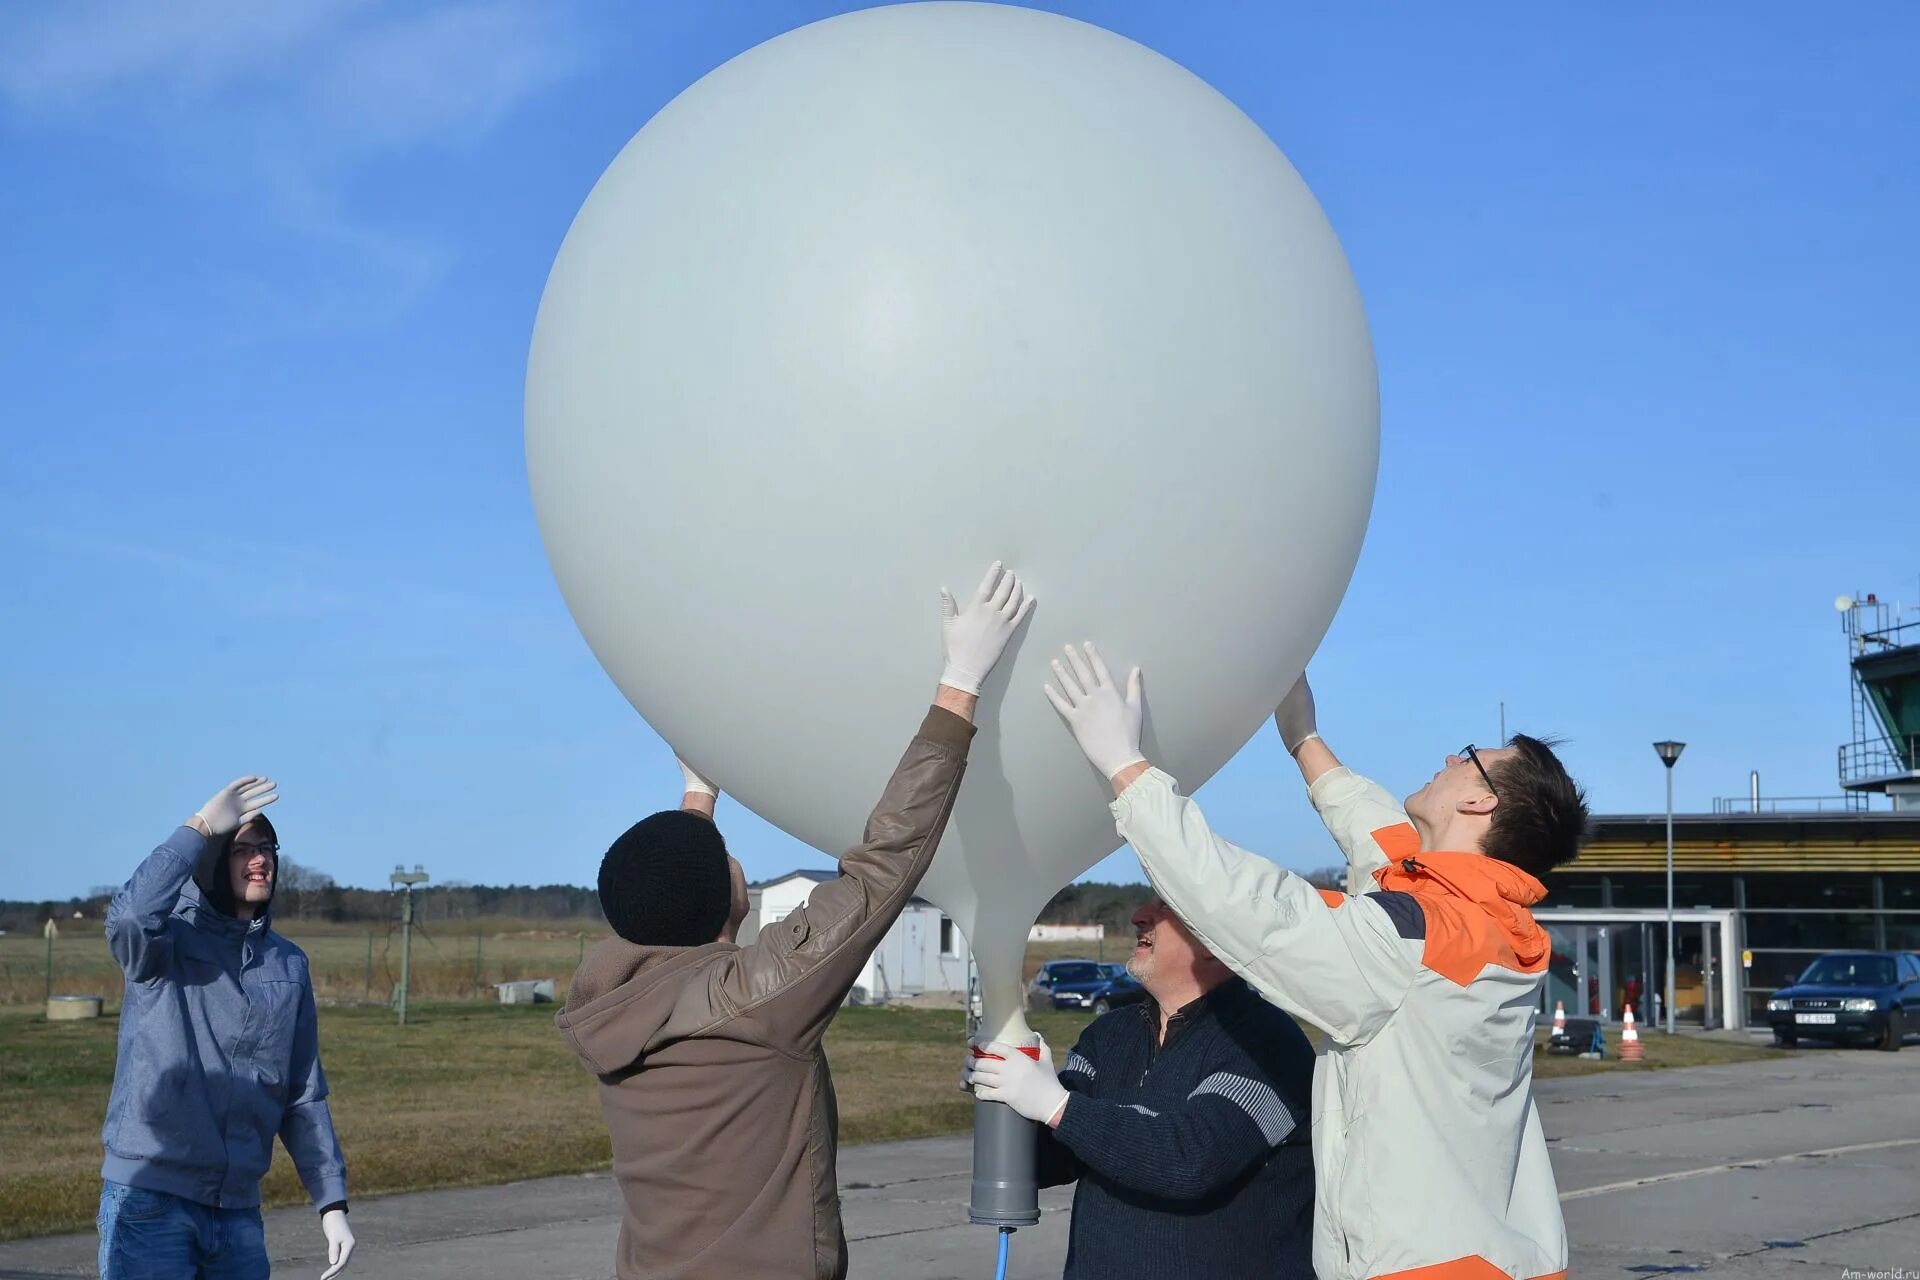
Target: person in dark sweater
1182 1118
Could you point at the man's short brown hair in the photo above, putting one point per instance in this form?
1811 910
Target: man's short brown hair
1541 820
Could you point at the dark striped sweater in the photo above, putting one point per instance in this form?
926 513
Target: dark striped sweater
1193 1157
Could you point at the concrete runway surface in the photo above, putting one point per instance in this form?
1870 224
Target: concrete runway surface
1804 1167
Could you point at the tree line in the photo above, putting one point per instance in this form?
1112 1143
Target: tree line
304 893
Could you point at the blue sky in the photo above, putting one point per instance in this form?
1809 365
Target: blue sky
1641 284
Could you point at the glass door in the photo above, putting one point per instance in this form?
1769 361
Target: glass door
1627 969
1563 980
1710 1015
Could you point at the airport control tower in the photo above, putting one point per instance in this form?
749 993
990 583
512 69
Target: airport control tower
1883 649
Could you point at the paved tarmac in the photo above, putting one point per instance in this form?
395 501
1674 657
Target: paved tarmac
1804 1167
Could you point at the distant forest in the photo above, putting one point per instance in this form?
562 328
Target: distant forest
306 894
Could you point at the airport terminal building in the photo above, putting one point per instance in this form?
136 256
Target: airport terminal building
1761 885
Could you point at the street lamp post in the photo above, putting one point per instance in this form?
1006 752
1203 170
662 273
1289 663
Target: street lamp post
405 880
1669 753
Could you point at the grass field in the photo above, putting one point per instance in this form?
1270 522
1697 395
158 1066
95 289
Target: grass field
471 1094
465 1094
452 959
1662 1051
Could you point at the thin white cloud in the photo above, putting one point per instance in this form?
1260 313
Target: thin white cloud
445 75
277 104
358 77
65 57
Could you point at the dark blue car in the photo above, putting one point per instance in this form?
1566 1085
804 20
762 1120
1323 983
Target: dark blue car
1857 996
1086 984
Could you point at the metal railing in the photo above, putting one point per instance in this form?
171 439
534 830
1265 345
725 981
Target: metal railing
1879 758
1855 802
1886 632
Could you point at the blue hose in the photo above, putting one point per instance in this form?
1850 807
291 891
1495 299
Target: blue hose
1000 1269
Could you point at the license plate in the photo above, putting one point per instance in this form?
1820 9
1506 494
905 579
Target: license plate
1815 1019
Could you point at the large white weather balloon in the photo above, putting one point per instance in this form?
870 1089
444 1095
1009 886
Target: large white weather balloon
906 291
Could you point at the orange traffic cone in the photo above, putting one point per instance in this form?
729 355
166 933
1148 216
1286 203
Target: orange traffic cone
1559 1017
1630 1050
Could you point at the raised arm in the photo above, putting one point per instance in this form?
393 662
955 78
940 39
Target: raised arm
1365 821
1341 963
1298 722
793 976
1354 809
697 795
811 958
137 915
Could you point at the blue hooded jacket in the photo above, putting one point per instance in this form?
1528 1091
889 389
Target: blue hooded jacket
219 1044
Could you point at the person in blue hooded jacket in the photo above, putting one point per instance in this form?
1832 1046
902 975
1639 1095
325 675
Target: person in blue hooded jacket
219 1051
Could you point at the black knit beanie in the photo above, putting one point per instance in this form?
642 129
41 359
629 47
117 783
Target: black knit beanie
665 882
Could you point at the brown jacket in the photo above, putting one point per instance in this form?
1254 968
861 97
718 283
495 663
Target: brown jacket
712 1077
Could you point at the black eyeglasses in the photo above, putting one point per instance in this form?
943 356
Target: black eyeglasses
1474 756
248 850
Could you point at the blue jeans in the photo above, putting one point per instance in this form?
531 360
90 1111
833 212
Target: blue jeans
150 1235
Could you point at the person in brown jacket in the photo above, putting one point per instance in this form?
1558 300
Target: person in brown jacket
715 1088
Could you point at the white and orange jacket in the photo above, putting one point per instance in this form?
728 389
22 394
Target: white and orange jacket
1428 1155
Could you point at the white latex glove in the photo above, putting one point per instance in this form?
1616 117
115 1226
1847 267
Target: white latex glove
1294 717
975 1046
1010 1076
236 804
973 640
339 1241
694 782
1105 722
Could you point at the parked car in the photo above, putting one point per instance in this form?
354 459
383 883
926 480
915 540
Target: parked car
1856 996
1108 988
1054 972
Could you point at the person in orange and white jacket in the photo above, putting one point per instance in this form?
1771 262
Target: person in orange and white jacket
1428 1154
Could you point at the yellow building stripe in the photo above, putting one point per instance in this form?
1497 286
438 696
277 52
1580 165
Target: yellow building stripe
1700 855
